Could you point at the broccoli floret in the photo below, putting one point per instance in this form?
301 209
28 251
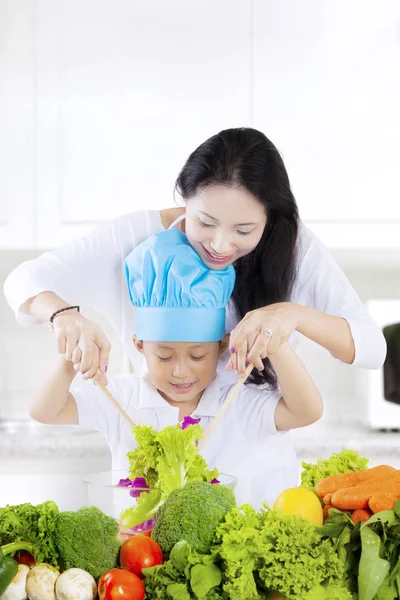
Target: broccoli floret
192 513
87 539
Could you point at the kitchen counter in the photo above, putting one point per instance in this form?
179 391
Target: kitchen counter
39 462
324 439
35 443
46 462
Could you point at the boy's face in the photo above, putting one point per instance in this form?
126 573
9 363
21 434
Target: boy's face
181 371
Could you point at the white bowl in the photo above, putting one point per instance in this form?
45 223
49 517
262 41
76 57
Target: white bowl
104 492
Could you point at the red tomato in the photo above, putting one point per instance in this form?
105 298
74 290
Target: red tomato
117 584
139 552
24 558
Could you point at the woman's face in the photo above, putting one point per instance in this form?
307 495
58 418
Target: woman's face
224 223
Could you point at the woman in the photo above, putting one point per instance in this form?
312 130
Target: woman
239 209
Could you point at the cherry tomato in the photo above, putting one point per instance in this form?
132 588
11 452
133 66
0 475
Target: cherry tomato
24 558
139 552
118 584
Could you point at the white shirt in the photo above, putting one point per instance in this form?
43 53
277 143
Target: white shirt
244 444
89 272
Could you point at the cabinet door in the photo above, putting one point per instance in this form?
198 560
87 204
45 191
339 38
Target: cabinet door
327 92
126 90
16 124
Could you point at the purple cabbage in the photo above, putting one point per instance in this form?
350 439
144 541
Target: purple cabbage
189 421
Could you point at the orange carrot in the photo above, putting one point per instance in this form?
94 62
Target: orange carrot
358 496
332 484
382 501
325 510
327 499
362 514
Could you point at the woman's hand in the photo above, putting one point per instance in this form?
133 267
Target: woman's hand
260 334
84 343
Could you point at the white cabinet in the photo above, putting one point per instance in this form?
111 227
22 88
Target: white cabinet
125 91
16 124
327 92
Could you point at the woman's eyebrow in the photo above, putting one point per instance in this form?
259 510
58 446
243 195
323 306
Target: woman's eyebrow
216 220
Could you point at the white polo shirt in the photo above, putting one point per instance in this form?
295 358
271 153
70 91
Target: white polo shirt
244 444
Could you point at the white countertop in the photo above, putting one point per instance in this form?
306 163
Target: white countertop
48 462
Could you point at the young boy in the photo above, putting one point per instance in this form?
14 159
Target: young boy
180 325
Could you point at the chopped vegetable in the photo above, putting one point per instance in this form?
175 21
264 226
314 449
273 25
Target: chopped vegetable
192 513
87 539
139 552
41 581
343 462
17 588
118 584
166 459
34 524
332 484
76 584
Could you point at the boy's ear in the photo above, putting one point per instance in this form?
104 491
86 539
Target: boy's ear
138 345
224 344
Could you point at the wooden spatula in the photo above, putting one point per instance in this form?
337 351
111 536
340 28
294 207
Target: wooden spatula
116 405
225 406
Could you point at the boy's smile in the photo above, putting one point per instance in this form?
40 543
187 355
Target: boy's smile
181 371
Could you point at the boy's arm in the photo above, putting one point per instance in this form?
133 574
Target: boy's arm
52 403
301 403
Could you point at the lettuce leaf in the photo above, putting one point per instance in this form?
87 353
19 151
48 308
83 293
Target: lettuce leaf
166 460
343 462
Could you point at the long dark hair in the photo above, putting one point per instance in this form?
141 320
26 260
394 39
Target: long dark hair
246 158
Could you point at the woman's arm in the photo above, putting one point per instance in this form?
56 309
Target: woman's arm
87 272
52 402
324 307
301 403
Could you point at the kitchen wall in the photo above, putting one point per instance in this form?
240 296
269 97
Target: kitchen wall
25 353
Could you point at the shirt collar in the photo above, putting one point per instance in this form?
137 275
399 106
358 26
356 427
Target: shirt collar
209 402
208 406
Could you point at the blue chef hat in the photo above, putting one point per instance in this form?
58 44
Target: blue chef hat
176 296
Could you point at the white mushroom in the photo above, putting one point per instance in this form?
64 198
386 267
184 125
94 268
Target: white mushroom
76 584
41 582
17 588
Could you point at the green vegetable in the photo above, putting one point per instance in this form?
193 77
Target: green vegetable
9 566
34 524
330 591
87 539
373 569
370 552
167 460
343 462
192 513
186 575
275 551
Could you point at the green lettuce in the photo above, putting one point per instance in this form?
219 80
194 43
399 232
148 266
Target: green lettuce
186 575
275 551
34 524
343 462
167 460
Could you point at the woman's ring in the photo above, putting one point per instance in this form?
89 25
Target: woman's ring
266 333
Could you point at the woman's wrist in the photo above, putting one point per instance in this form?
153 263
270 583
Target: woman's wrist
44 305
